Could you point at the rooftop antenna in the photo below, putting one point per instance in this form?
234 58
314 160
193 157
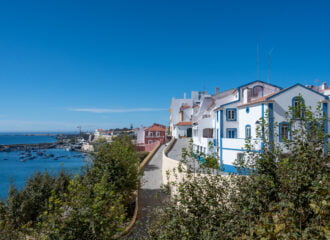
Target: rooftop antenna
269 64
79 127
258 62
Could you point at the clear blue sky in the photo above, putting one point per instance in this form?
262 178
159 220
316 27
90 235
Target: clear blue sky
123 61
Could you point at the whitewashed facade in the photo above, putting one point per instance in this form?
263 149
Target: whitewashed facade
181 112
226 119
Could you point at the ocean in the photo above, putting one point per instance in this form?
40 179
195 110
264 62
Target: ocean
18 166
25 139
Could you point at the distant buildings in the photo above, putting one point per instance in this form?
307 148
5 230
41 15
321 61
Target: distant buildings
222 122
105 134
156 132
149 137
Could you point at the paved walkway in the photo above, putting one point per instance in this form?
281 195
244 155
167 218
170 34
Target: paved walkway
151 195
176 151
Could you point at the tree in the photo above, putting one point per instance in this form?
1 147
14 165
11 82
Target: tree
283 194
90 206
95 206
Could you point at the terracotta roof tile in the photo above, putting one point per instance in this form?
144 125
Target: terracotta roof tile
324 89
259 100
184 124
185 107
156 127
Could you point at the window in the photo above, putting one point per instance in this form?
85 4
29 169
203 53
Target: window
208 133
248 131
231 114
150 141
231 132
298 107
247 110
157 134
257 91
150 134
284 131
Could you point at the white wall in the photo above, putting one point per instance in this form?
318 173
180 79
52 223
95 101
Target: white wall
254 115
284 101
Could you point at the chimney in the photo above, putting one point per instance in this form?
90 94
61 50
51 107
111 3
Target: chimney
246 95
324 85
217 90
184 95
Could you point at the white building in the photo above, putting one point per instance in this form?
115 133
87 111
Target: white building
181 111
226 119
103 134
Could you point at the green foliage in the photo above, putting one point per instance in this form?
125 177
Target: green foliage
89 206
210 160
142 155
284 196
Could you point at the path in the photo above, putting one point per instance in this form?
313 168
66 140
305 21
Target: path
176 151
151 195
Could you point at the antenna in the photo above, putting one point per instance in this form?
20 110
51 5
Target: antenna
79 127
258 62
269 64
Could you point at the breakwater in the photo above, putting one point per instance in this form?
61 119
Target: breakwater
25 147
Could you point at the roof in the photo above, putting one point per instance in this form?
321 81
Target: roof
270 96
298 84
156 127
185 106
259 100
184 124
260 82
324 89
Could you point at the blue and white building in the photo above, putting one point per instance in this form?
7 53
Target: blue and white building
226 119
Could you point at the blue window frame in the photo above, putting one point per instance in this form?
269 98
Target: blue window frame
298 107
248 131
231 133
284 131
247 110
231 114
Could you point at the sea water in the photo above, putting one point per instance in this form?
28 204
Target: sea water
18 166
12 138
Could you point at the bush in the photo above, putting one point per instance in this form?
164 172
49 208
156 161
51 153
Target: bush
284 196
89 206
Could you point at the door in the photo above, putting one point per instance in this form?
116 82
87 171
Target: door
189 132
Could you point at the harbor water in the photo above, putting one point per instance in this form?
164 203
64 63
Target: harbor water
18 166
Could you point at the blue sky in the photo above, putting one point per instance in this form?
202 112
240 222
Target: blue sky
105 64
